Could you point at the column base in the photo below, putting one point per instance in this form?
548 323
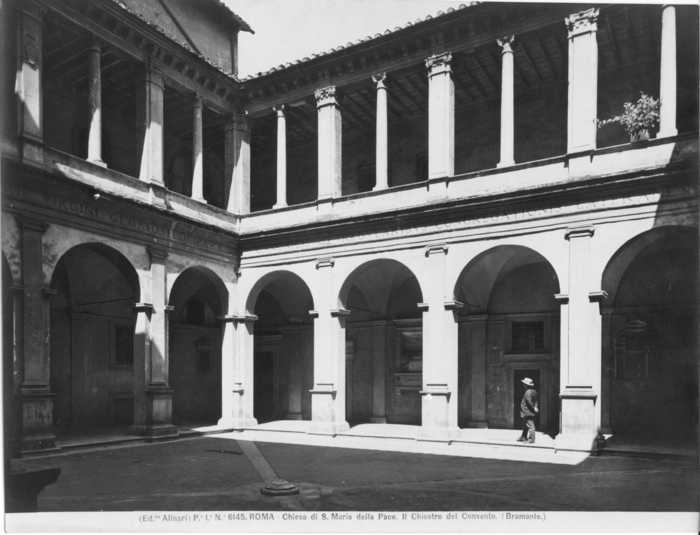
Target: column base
478 424
439 434
576 443
153 430
280 205
98 162
669 132
32 152
377 420
380 187
580 162
200 199
505 164
237 423
36 401
328 428
293 416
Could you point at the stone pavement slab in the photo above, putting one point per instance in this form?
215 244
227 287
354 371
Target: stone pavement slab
214 473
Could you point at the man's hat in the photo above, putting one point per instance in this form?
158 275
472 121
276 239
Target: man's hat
528 381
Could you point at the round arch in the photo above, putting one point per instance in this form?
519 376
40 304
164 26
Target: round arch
287 283
283 346
666 237
484 272
384 343
650 338
62 241
110 254
509 329
190 281
199 298
92 337
385 273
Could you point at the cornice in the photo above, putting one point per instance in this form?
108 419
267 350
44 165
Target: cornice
142 39
587 190
459 31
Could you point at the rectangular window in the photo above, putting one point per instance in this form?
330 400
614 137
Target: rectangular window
123 345
527 336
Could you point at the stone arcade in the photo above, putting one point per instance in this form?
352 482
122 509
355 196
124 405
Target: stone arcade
395 231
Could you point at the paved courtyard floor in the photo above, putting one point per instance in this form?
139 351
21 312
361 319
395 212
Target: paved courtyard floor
226 472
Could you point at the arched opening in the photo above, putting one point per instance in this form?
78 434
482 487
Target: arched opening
92 338
198 298
283 361
384 344
650 364
508 330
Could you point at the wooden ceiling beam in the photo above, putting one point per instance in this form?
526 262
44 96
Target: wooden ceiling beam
547 60
405 93
529 62
491 84
465 70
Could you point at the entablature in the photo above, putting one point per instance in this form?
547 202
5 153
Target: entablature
140 40
458 31
125 216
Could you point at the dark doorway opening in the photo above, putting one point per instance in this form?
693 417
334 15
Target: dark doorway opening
519 390
264 399
683 401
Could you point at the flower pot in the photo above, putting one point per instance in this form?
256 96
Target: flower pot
642 135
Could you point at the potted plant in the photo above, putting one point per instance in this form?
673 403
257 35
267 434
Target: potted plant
637 119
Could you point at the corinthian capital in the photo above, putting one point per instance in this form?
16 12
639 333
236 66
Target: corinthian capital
439 64
325 96
506 43
379 79
583 22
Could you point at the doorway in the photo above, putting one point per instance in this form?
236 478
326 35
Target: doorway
518 391
264 398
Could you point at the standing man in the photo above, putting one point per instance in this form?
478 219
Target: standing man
528 410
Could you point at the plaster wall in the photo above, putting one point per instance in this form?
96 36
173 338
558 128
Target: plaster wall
197 394
207 29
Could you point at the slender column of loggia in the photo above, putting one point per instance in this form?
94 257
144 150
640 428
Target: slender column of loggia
197 151
507 104
149 112
281 157
328 393
95 100
580 349
29 80
441 117
329 144
382 167
440 336
583 80
667 90
237 163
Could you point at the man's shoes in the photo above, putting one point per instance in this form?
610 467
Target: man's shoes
530 441
521 439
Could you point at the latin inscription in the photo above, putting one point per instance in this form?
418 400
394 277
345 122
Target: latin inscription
501 217
179 232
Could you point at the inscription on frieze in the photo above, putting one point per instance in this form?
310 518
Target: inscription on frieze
397 230
176 231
